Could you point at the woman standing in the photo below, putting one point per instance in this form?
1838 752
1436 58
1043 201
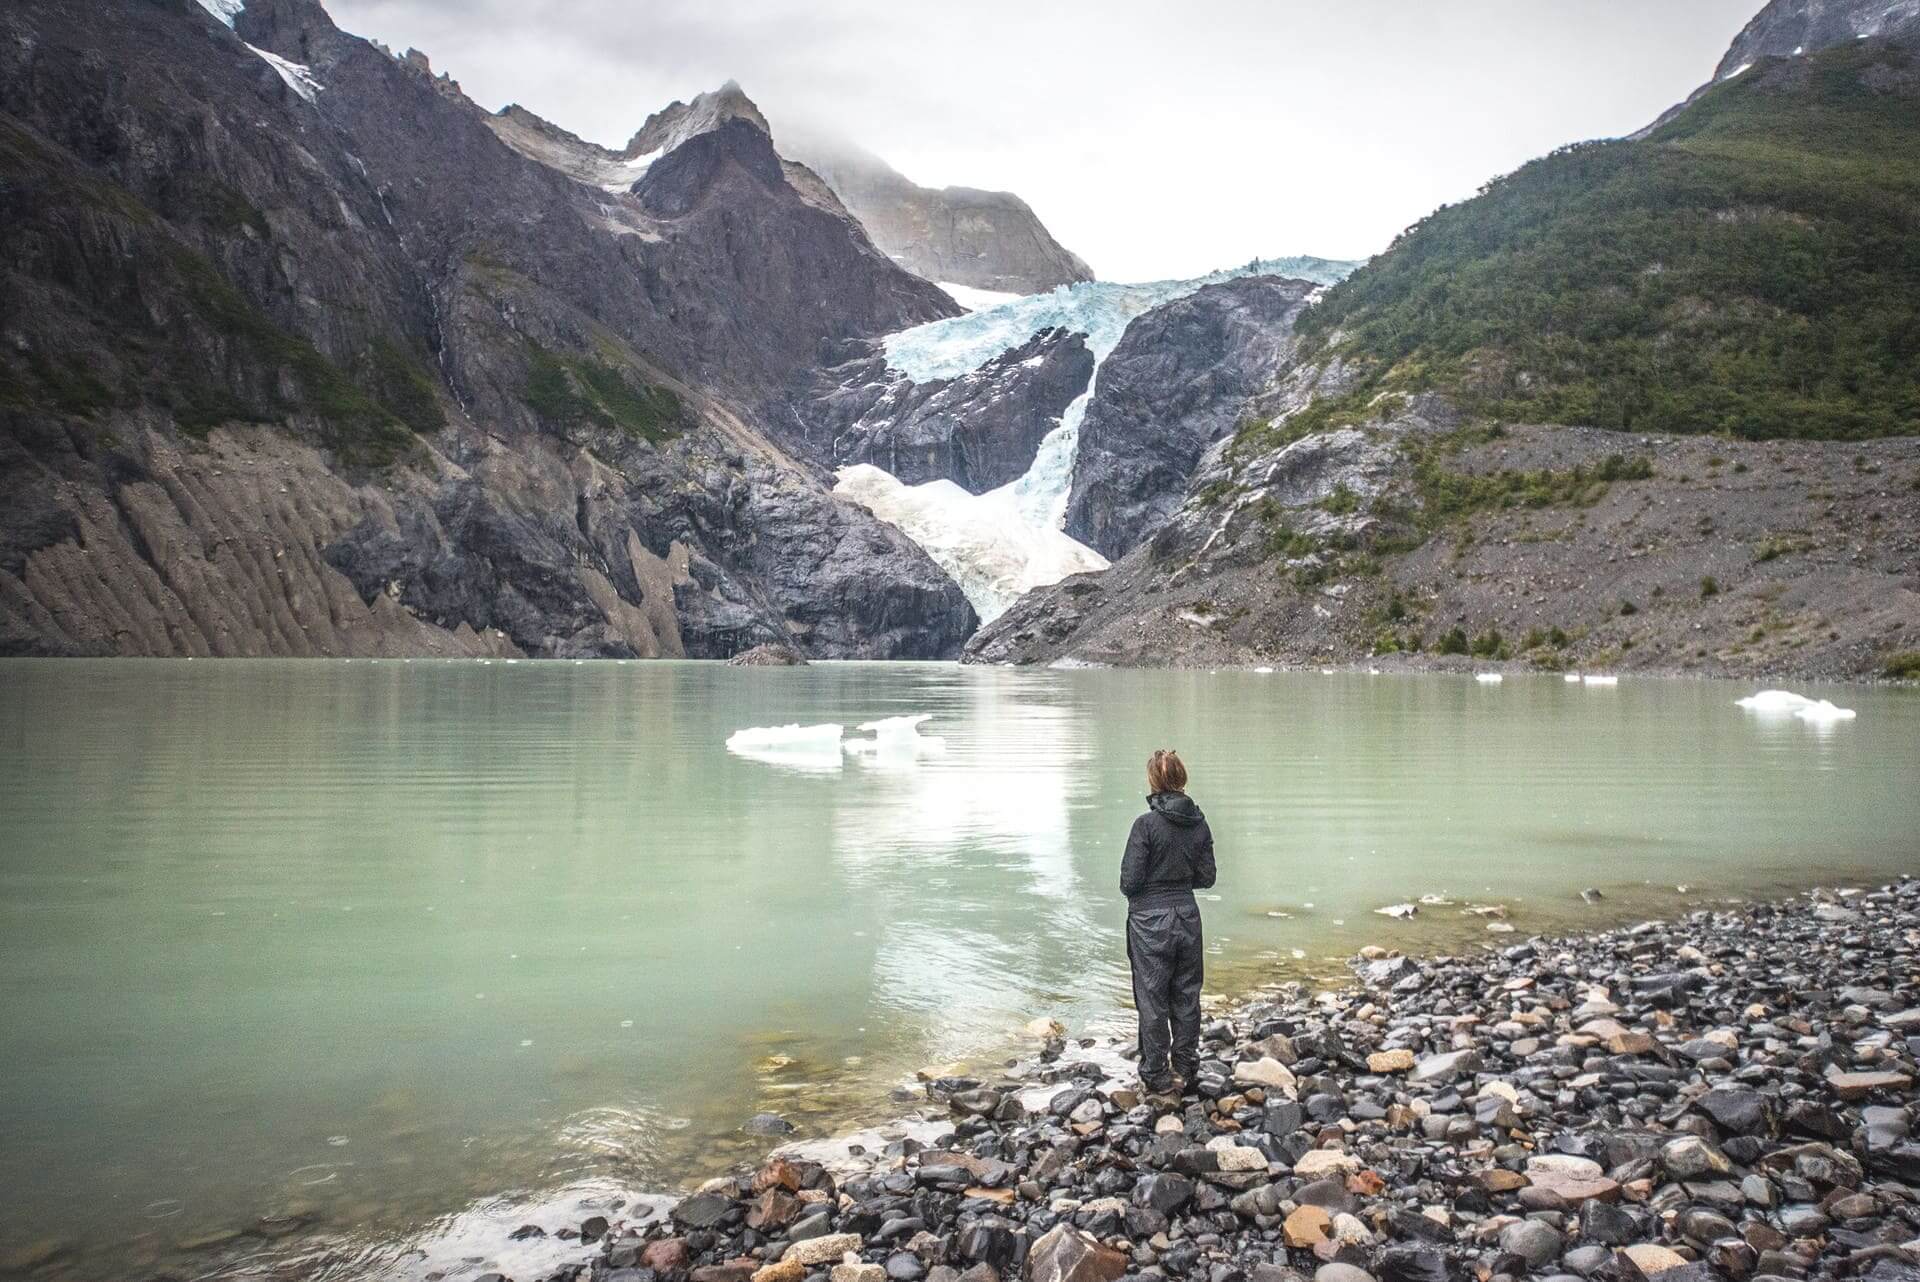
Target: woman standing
1169 856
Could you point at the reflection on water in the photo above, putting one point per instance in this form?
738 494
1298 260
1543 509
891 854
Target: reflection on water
373 962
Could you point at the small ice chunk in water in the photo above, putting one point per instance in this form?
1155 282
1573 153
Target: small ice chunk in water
1401 911
897 737
808 749
1599 681
1488 678
1773 701
1785 703
784 736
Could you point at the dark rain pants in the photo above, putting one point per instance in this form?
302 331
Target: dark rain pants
1164 949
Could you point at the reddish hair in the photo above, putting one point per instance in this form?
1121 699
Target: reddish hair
1166 772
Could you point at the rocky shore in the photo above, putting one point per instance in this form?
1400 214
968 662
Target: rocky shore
1726 1096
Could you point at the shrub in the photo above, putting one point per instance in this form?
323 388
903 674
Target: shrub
1342 502
1709 586
1904 666
1454 642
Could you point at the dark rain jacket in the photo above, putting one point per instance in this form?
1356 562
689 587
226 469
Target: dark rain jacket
1169 853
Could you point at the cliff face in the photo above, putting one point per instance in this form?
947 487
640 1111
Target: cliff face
1180 378
980 430
984 239
300 358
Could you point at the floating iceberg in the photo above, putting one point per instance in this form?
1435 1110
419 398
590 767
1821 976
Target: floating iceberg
1488 678
1572 678
1785 703
1400 911
1773 701
1599 681
980 539
897 737
807 749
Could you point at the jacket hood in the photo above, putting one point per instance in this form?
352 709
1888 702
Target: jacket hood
1176 808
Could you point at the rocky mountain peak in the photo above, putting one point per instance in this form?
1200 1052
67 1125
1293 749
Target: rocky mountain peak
963 235
1786 28
678 121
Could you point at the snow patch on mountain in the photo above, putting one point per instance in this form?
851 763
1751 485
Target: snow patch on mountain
619 176
225 10
986 542
299 76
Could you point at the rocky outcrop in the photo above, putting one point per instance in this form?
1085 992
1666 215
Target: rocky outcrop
507 410
1416 539
980 430
677 122
1181 377
985 239
1787 28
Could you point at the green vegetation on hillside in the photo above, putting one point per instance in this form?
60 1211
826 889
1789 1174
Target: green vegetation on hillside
570 390
1752 267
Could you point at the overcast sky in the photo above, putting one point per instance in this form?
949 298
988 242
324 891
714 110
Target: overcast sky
1154 139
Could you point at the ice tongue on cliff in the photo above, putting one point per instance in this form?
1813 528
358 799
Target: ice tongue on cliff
984 541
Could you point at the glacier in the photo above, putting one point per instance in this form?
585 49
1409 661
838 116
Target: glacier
1099 309
975 300
983 541
1005 542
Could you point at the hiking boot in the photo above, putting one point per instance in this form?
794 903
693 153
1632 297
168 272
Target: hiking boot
1165 1084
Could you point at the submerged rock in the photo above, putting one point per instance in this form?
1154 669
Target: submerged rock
769 654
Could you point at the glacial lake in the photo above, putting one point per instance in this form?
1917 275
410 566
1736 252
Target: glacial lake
388 949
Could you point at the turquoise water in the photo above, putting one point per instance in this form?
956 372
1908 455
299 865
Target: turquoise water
370 942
